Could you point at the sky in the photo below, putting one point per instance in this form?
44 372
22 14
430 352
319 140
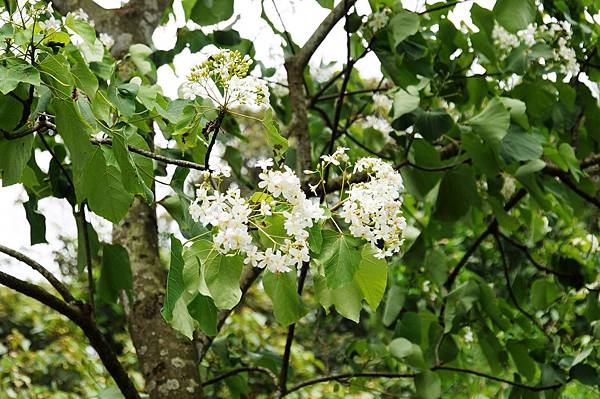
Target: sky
300 17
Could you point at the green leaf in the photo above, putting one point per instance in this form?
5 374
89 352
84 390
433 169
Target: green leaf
175 284
408 352
104 191
543 293
457 193
520 146
404 102
347 299
209 12
81 27
275 140
56 73
37 221
14 155
525 364
340 257
204 312
371 277
115 274
433 124
83 76
131 175
403 25
515 15
140 55
482 154
222 275
585 374
181 320
17 71
492 123
394 302
282 289
428 385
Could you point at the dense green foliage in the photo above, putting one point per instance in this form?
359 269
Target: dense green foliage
492 127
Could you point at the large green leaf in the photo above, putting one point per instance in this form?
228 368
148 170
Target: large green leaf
175 284
457 194
282 289
16 71
429 385
371 277
209 12
340 257
115 274
408 352
515 15
403 25
222 275
104 191
543 293
14 155
492 123
56 73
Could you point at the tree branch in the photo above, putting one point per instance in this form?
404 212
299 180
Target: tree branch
509 287
54 282
233 372
502 380
83 321
311 45
287 352
344 376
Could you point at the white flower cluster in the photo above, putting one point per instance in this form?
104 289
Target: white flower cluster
217 165
337 157
233 218
378 123
107 40
26 13
554 34
379 20
372 208
382 104
226 71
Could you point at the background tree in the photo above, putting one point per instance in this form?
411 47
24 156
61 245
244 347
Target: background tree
482 140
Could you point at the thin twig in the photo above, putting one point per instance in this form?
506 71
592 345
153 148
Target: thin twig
88 256
511 293
255 369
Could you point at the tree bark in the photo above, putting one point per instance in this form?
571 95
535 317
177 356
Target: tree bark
167 359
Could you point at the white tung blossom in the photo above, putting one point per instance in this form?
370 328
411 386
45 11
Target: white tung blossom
382 104
372 208
223 78
379 20
107 40
232 218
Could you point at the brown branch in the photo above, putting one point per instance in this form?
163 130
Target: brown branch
344 376
157 157
83 321
233 372
350 93
37 127
502 380
374 374
311 45
511 293
531 259
287 352
214 127
54 282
